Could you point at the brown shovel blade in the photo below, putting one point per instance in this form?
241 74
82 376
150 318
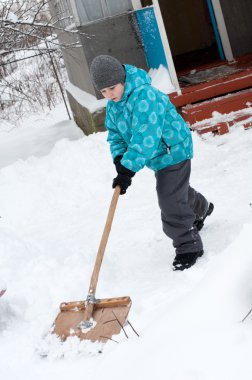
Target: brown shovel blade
109 317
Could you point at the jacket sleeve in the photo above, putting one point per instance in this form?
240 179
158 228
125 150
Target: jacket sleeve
117 144
148 116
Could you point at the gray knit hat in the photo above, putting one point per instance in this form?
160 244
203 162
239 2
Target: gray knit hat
106 71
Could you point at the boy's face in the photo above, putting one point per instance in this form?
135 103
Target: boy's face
114 93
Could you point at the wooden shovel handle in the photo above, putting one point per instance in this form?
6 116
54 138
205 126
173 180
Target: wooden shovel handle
98 262
103 243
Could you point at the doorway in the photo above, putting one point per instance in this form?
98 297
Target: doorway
190 31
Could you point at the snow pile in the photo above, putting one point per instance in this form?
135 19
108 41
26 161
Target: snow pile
85 99
23 141
160 78
53 205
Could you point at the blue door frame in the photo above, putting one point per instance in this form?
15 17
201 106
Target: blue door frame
153 46
215 28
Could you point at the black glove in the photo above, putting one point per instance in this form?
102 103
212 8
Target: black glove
124 176
121 169
118 163
123 181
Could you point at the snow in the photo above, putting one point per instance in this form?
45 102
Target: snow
55 190
85 99
24 141
12 17
160 78
3 287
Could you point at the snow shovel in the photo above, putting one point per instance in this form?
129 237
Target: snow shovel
94 319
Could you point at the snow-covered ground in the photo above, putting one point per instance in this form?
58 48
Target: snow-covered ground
55 189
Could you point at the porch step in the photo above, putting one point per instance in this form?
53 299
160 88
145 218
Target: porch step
194 113
215 87
220 124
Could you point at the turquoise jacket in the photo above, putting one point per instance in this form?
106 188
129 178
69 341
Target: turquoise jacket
144 127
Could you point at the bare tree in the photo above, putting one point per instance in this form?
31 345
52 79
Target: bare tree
26 23
28 31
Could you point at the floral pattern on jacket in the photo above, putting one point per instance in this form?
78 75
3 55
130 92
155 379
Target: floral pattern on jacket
144 126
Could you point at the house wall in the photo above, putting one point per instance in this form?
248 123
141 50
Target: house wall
102 36
118 36
77 65
238 19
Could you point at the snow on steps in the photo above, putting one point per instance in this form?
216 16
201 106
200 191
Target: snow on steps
219 114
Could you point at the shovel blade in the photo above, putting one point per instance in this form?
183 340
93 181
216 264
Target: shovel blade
108 318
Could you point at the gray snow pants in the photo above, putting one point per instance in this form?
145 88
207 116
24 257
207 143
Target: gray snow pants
180 205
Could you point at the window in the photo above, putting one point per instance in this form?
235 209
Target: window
91 10
63 13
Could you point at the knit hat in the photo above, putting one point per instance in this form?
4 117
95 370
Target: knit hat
106 71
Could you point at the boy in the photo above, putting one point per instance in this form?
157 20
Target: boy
144 129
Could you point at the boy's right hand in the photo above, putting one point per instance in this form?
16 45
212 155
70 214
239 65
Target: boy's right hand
124 175
121 169
123 181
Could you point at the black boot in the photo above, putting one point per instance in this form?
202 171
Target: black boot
186 260
199 223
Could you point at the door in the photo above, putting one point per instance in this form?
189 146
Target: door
238 19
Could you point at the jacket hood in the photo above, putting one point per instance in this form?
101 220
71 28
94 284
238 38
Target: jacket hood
135 78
